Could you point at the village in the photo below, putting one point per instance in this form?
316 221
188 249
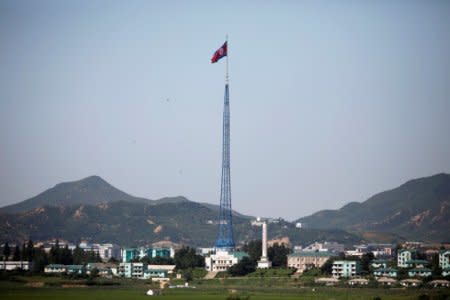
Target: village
410 264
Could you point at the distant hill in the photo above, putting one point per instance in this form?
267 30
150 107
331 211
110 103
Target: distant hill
94 210
91 190
418 209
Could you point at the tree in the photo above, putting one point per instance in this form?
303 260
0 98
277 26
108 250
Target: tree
16 255
93 273
187 275
6 251
435 268
66 256
278 255
243 267
328 265
186 258
40 260
29 251
365 262
254 249
78 256
55 254
23 253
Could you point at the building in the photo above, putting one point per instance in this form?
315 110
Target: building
332 247
168 268
305 260
55 268
131 270
416 263
104 269
386 281
358 281
327 281
75 269
130 254
405 255
379 263
446 272
105 251
64 269
108 251
223 260
359 251
444 259
205 251
14 265
420 272
410 282
140 270
345 268
439 283
385 272
381 250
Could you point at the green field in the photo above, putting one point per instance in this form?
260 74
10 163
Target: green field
53 288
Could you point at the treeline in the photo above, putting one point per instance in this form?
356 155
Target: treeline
277 255
57 255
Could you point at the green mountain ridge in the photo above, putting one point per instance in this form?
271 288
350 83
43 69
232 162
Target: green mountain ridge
106 214
418 209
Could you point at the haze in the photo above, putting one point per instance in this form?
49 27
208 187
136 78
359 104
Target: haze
331 102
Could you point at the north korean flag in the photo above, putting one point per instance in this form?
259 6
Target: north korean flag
221 52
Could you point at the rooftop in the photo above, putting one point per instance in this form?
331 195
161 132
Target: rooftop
309 254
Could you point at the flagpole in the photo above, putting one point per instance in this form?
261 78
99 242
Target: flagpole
226 65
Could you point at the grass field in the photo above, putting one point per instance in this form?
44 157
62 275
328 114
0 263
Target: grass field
51 288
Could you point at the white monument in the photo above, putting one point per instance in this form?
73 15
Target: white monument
264 262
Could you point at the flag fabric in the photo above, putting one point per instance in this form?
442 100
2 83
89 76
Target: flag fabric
221 52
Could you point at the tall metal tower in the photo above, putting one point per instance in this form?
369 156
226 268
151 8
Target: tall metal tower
225 240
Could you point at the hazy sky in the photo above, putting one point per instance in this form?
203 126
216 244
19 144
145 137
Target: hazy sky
331 102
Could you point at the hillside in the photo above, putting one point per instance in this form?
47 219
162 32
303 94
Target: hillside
105 214
418 209
91 190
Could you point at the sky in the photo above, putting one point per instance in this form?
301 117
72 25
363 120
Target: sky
331 101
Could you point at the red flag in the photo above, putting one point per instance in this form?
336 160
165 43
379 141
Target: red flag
221 52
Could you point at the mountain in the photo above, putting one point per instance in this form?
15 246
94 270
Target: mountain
94 210
91 190
418 209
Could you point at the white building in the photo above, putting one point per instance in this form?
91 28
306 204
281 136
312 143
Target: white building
107 251
223 260
131 270
14 265
405 255
345 268
332 247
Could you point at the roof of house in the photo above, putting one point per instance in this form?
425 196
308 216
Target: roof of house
417 261
379 261
359 280
386 270
74 266
240 254
311 254
420 270
411 280
439 281
55 266
345 262
407 250
385 279
327 279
